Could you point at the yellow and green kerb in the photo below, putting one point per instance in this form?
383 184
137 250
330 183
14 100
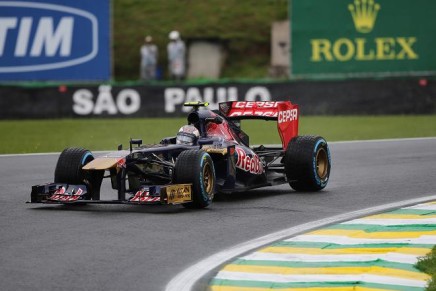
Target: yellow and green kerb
374 253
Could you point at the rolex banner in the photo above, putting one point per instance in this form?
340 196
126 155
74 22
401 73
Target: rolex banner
374 38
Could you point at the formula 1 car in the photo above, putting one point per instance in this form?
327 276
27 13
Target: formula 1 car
212 155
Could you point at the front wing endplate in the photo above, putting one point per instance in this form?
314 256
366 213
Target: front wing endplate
177 193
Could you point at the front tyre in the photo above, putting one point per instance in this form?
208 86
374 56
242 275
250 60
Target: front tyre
307 163
196 167
69 171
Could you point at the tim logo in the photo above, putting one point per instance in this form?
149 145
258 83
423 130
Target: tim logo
42 36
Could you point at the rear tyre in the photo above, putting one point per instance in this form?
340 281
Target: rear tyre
196 167
69 171
307 163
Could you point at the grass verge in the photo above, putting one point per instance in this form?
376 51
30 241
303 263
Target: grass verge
32 136
427 264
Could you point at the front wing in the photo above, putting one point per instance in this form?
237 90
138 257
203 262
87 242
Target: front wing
57 193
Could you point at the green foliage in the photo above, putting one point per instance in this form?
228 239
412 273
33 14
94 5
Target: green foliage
245 26
31 136
427 264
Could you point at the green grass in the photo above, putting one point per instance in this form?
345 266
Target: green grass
32 136
427 264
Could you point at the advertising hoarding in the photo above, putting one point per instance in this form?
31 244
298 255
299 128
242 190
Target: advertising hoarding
329 97
342 38
55 40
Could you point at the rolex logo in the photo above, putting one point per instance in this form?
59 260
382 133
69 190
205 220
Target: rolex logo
364 13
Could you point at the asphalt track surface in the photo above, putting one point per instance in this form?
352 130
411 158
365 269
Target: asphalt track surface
121 247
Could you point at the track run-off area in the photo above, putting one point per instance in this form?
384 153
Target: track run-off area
376 252
119 247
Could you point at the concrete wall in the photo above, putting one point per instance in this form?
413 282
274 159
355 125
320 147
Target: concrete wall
205 59
280 49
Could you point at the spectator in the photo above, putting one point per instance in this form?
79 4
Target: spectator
176 56
149 55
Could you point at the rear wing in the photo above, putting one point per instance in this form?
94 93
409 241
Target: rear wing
284 112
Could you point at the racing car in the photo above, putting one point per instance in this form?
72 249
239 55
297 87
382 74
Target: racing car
210 154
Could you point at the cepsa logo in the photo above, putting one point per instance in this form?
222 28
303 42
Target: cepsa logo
254 108
287 115
258 104
41 36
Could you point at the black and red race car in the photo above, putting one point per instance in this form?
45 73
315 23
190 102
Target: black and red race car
211 154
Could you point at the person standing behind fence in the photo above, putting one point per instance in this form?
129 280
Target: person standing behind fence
149 55
176 56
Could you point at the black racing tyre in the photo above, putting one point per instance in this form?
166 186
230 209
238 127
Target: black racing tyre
69 170
307 163
196 167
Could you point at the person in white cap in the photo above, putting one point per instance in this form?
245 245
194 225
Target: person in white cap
149 55
176 56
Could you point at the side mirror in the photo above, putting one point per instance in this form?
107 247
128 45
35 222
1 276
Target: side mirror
137 142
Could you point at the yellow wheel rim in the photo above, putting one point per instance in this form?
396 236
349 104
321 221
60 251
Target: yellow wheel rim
208 180
322 163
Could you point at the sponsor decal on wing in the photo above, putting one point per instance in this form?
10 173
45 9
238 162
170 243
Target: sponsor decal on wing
288 115
287 122
60 191
144 196
67 195
252 108
64 197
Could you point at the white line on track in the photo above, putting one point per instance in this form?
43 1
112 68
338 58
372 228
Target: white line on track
186 280
333 142
331 258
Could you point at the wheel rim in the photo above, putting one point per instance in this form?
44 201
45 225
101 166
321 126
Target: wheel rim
322 163
208 180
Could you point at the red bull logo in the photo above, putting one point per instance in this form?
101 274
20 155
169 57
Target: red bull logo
248 163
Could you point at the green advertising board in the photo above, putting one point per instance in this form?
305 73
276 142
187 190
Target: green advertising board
352 38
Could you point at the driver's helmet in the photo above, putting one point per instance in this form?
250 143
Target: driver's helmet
188 134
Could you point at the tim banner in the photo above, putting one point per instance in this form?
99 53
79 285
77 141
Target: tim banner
66 40
340 38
